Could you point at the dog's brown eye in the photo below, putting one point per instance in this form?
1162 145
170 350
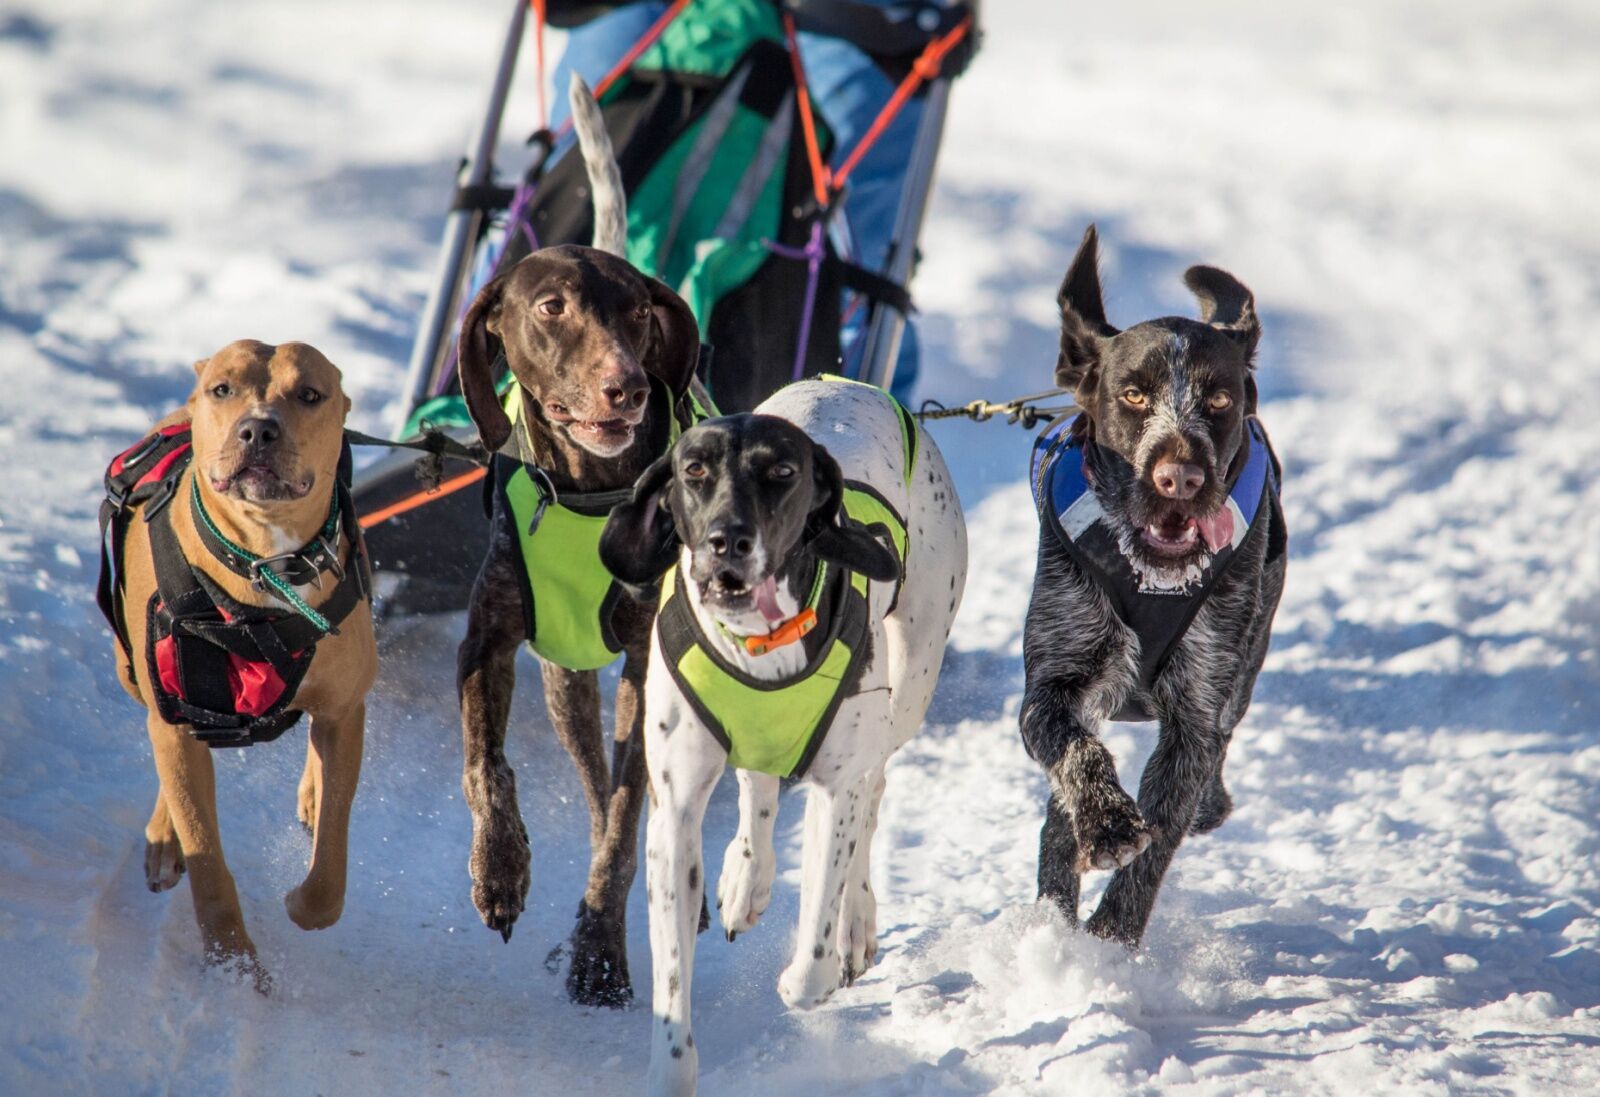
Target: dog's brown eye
642 312
221 391
552 306
694 470
310 396
1220 401
781 472
1133 397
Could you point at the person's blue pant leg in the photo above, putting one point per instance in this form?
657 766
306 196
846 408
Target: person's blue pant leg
848 90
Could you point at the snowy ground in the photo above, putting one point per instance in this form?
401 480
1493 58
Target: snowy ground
1405 899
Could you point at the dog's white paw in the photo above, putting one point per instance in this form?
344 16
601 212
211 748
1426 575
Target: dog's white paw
858 930
745 887
811 980
674 1076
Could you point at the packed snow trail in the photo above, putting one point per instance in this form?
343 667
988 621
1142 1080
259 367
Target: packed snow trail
1405 898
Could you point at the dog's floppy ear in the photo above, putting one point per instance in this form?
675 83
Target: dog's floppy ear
475 364
674 339
833 536
1226 305
640 540
1084 329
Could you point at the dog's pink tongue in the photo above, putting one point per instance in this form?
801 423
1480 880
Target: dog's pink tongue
1217 529
766 593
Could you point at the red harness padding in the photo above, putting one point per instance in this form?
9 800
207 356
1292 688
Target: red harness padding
256 685
227 670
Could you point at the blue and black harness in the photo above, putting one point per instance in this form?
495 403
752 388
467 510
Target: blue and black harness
1158 615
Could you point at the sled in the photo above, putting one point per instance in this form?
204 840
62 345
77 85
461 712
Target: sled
724 161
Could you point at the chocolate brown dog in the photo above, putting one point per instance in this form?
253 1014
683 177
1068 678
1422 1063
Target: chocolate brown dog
235 581
601 357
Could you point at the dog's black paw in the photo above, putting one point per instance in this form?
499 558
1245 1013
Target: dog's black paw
500 876
1109 927
599 972
1111 835
1215 807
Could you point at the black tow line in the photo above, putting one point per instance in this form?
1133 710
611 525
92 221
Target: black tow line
1021 410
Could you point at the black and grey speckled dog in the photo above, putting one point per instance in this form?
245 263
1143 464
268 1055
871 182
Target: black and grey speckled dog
1161 561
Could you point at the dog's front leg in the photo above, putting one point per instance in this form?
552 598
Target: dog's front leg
833 827
188 784
1091 822
485 678
685 763
1186 760
336 746
750 864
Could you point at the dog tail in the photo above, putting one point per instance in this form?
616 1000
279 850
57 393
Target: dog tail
605 178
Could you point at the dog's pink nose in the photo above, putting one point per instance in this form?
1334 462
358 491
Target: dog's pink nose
1178 481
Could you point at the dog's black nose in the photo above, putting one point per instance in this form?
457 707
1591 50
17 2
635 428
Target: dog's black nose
257 432
625 391
1178 481
733 542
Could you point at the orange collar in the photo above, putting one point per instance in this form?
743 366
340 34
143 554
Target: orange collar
791 631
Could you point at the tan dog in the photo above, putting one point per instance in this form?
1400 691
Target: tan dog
267 434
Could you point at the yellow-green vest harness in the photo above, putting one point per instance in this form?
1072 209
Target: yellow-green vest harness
777 727
568 597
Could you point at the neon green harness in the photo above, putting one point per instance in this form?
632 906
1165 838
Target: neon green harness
778 727
568 597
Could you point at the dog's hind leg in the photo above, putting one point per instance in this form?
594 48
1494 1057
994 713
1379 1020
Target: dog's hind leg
834 818
305 808
163 853
485 677
685 763
188 785
750 864
336 746
858 911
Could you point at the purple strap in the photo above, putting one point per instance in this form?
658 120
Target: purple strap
812 253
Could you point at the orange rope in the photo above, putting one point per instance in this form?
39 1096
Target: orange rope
821 179
633 54
639 47
412 502
926 67
538 56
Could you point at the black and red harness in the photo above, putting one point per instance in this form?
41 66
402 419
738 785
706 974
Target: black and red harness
226 669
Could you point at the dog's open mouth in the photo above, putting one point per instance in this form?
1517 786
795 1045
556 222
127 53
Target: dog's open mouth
1177 534
728 591
260 483
617 429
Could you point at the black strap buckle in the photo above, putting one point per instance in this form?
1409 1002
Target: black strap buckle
258 582
547 495
161 497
